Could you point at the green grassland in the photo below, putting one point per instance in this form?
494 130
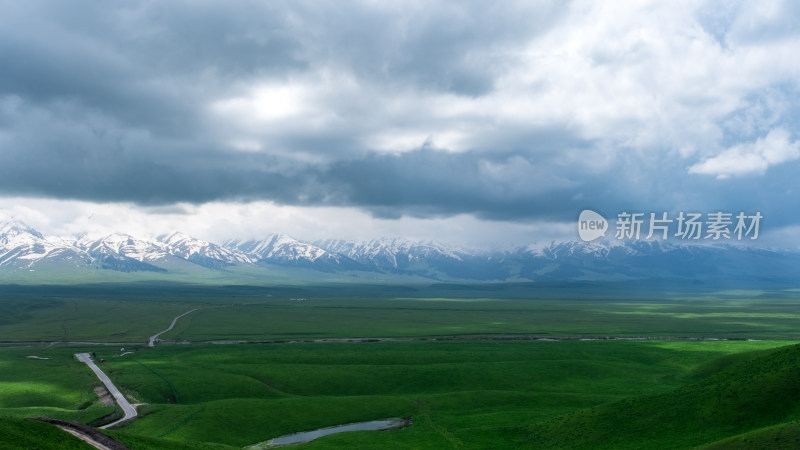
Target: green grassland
343 318
466 362
469 394
28 434
461 394
59 387
129 313
784 435
763 392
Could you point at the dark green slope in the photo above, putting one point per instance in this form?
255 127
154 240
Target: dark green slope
782 436
16 433
759 393
30 434
134 442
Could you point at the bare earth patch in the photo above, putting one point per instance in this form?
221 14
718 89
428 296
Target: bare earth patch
103 395
86 433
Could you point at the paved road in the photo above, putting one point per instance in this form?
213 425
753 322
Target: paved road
128 410
174 321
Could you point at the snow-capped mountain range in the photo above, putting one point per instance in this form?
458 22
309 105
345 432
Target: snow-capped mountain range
22 245
22 248
280 249
389 254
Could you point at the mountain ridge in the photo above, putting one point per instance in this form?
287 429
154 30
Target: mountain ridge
22 247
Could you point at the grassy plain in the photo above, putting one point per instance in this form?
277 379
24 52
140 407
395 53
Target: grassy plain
129 313
466 361
461 394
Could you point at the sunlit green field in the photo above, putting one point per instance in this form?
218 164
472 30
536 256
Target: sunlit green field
467 392
462 394
475 368
58 387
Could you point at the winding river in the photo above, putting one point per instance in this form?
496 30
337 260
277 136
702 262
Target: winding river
394 423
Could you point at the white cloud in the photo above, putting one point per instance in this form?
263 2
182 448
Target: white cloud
642 75
751 157
264 105
218 221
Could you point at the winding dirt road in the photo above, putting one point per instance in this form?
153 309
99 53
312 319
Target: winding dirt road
154 337
85 433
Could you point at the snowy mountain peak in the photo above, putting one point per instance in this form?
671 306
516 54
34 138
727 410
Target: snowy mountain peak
15 228
279 247
118 245
23 247
391 253
178 237
202 252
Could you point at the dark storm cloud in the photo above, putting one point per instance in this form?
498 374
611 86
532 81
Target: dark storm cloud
142 62
104 103
77 161
430 183
149 65
456 46
423 109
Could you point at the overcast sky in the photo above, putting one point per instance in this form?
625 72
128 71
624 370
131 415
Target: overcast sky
467 122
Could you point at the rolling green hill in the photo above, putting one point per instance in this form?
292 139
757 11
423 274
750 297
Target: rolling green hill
475 366
738 402
783 436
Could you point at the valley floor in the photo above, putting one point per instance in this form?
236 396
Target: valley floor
470 371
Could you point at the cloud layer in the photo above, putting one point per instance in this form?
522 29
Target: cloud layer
751 157
515 111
